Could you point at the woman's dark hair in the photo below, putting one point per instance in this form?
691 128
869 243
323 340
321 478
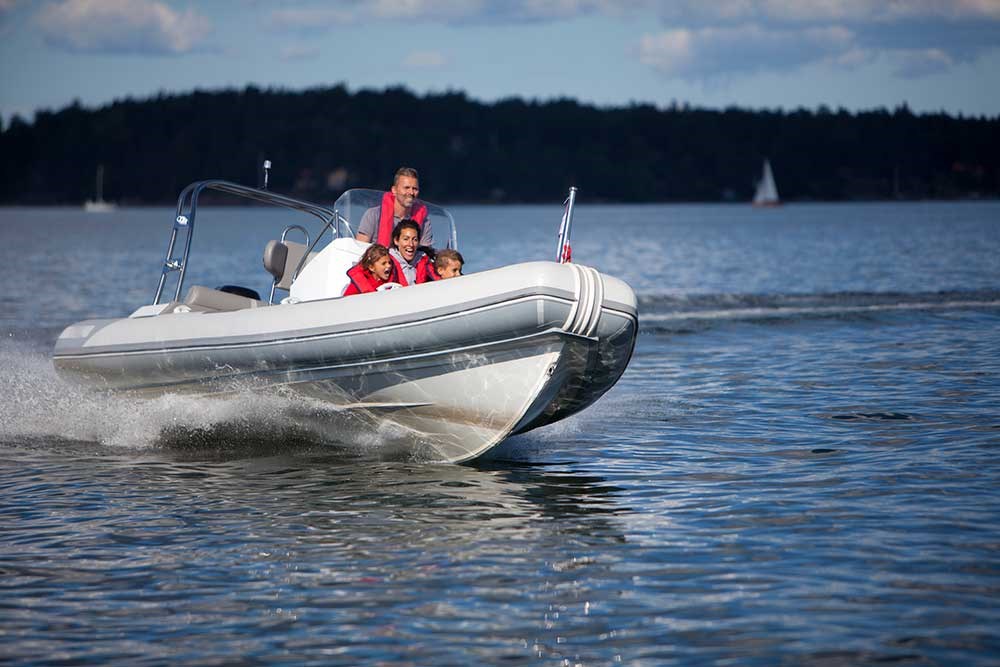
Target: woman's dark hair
405 224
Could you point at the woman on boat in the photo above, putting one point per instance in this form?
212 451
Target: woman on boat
413 265
374 269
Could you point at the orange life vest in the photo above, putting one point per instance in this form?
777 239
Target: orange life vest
364 281
397 272
425 271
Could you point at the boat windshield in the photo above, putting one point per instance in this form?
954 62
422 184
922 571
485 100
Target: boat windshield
353 204
341 222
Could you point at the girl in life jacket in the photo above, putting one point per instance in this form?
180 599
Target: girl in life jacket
374 269
412 265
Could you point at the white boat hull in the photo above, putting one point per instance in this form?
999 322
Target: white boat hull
99 206
445 370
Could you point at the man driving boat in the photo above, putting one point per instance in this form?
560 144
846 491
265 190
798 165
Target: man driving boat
400 203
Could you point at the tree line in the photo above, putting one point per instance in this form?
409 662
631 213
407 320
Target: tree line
324 140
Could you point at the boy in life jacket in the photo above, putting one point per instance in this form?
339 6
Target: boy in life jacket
374 269
448 263
400 203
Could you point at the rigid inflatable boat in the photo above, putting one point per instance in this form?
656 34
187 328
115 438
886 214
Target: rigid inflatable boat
449 368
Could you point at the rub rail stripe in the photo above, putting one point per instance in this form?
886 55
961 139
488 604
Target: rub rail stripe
589 292
571 318
598 302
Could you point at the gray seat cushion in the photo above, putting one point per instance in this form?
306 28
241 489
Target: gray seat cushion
208 299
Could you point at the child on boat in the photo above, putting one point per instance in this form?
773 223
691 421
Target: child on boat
373 270
448 263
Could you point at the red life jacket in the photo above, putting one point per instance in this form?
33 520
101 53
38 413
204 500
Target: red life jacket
364 281
386 221
426 272
397 272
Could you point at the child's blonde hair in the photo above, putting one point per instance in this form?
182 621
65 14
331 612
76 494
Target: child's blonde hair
448 255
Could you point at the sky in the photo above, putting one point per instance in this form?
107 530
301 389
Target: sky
932 55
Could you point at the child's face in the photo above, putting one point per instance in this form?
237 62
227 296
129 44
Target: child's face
449 269
381 267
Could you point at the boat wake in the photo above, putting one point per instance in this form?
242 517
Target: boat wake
38 408
680 313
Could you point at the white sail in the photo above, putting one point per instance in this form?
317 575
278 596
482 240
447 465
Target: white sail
99 205
767 191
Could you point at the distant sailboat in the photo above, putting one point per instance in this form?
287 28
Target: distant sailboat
767 191
99 205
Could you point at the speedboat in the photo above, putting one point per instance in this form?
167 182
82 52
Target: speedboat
446 369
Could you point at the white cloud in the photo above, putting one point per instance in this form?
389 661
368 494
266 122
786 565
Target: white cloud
671 52
689 13
310 19
414 9
315 16
480 10
425 60
855 57
299 52
915 64
698 12
321 17
719 39
716 39
6 9
142 27
705 53
949 9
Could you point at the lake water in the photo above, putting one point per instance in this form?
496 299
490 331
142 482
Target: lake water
798 467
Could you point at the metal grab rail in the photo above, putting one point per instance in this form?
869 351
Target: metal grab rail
187 207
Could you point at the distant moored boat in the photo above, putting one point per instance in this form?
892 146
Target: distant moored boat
767 191
99 205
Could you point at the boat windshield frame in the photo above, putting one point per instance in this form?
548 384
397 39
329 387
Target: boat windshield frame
352 205
335 219
187 210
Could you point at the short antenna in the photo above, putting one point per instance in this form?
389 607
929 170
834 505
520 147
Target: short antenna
267 171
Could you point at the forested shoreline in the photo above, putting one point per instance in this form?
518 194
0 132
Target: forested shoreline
322 141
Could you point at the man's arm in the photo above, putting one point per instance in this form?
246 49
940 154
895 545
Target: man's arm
367 225
426 234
